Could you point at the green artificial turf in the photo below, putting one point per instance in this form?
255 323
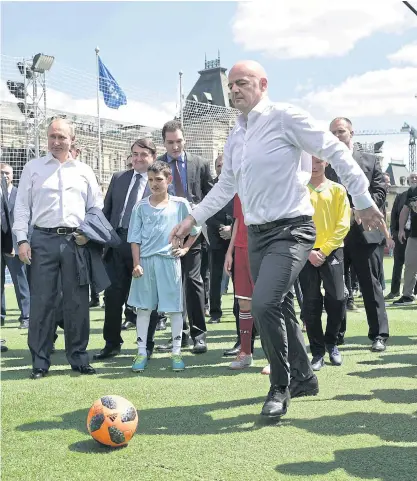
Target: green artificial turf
204 423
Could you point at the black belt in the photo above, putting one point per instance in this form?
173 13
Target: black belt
57 230
279 223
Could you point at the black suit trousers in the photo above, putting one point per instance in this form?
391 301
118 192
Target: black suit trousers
217 257
311 278
367 262
193 290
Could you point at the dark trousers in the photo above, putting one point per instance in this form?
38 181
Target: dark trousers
217 257
54 254
276 258
367 262
397 269
299 294
94 295
193 291
119 266
331 275
351 278
20 282
205 271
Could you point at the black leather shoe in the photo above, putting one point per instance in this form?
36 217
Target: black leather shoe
378 345
232 352
214 320
277 402
94 303
4 348
38 373
200 345
162 324
128 325
107 352
309 387
24 324
84 369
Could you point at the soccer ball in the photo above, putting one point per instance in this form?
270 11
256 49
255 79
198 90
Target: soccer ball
112 420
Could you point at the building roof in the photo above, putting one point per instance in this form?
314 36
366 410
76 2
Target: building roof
398 173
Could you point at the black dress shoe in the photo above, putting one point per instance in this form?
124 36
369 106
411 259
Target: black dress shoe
162 324
24 324
4 348
94 303
107 352
128 325
378 345
277 402
38 373
200 345
84 369
232 352
309 387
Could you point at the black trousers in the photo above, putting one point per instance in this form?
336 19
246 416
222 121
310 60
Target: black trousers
217 257
311 278
119 266
205 271
54 254
276 258
193 291
367 262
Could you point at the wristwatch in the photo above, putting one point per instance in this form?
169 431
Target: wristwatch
22 242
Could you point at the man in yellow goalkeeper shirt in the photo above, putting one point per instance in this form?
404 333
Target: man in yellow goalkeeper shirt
325 265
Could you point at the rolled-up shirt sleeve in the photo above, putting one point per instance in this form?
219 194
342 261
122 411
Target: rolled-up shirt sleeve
22 205
222 192
302 130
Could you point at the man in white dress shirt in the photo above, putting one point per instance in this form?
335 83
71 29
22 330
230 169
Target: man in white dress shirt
57 190
264 162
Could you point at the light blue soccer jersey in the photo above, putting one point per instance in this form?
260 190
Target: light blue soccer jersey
150 226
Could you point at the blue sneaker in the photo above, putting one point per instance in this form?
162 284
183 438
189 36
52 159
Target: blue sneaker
177 362
139 363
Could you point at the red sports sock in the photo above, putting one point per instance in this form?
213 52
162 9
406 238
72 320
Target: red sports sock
245 328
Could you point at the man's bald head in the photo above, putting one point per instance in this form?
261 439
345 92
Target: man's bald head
248 83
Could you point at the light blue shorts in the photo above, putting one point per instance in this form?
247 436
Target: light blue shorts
159 287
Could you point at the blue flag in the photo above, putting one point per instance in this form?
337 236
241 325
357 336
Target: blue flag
113 95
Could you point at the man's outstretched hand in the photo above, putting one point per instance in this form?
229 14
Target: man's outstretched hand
370 218
180 231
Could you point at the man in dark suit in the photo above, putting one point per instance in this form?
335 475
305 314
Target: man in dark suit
399 249
219 230
125 190
362 249
192 179
6 234
16 267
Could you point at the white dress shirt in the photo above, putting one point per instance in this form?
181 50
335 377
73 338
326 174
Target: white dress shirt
141 190
265 164
57 194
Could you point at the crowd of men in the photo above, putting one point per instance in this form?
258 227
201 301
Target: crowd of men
58 206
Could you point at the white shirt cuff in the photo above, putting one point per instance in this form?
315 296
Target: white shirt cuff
363 201
20 235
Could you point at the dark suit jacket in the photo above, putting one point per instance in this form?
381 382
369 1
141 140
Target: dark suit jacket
370 165
199 178
397 207
223 217
116 196
6 224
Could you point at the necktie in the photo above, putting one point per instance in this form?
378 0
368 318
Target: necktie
179 188
131 201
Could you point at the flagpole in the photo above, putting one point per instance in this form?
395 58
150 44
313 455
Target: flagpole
100 167
181 104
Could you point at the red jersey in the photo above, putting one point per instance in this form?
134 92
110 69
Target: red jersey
241 239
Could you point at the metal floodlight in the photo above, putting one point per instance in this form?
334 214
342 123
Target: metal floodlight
405 127
21 67
42 63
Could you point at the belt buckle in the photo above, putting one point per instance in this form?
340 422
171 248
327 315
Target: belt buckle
61 231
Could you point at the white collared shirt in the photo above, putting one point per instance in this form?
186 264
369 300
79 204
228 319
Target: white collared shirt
265 162
57 194
141 190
